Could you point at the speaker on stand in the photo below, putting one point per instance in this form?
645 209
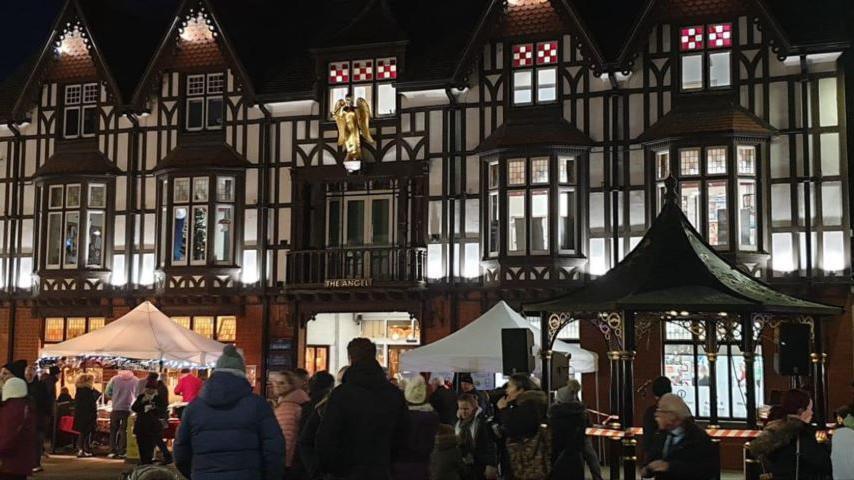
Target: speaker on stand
793 349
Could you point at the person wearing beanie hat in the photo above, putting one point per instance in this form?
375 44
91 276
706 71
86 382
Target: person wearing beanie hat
17 431
228 431
150 408
13 369
467 385
413 461
568 420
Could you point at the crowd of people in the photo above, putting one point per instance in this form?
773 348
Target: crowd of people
360 424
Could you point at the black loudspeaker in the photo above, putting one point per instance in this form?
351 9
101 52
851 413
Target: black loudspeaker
560 369
793 357
516 350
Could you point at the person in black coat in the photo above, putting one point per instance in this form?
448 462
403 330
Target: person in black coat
85 413
150 408
444 401
319 387
365 419
788 445
413 461
477 443
660 386
568 420
467 386
681 450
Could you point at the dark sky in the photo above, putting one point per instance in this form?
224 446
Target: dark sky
24 27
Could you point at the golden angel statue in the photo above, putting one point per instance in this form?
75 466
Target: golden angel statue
353 123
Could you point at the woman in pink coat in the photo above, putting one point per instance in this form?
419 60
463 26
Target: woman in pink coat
287 400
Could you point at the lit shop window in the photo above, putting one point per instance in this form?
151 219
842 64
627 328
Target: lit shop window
60 329
220 328
705 56
75 225
204 105
202 220
534 73
80 110
371 79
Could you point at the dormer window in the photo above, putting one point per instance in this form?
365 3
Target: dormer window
80 117
370 79
205 105
705 56
535 73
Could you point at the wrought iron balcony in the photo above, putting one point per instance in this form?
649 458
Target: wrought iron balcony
361 267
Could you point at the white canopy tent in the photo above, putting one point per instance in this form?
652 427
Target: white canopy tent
476 348
145 333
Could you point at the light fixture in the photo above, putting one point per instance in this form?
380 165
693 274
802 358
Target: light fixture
683 313
352 165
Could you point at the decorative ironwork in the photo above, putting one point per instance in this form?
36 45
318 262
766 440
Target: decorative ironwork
610 325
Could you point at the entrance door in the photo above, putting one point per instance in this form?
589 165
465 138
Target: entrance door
316 358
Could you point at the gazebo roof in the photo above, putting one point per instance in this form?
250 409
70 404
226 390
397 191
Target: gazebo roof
673 268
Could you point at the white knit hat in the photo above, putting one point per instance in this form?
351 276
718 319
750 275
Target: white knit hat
14 388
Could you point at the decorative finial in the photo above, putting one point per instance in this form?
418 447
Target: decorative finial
670 194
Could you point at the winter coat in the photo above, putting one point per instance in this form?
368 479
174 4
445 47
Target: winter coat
17 437
86 409
842 450
446 461
777 444
523 416
229 433
363 426
310 422
692 458
149 413
444 402
288 412
568 422
650 428
122 390
189 387
485 451
413 462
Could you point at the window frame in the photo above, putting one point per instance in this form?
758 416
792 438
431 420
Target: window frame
89 328
216 324
83 209
377 86
705 52
538 64
212 90
81 105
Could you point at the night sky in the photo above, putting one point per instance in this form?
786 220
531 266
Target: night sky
24 27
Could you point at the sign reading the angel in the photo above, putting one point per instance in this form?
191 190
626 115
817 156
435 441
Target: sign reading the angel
353 124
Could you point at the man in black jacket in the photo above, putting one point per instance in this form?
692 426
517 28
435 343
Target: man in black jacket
660 386
681 450
443 400
364 421
480 454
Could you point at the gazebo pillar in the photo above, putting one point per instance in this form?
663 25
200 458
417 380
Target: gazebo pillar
545 353
748 350
627 411
819 382
711 347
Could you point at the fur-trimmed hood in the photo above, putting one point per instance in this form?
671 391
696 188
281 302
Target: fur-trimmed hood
537 398
777 434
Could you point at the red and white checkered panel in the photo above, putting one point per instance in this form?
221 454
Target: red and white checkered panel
691 38
546 53
720 35
339 72
386 68
363 70
523 55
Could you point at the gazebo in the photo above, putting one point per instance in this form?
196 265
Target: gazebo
673 273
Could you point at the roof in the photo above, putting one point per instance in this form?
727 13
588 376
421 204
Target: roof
77 162
531 17
217 155
706 115
521 133
673 268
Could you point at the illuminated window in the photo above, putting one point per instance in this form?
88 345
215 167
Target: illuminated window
204 326
75 225
226 329
54 330
716 160
205 105
59 329
540 170
705 56
96 322
80 109
183 321
371 79
535 73
516 172
196 238
74 327
689 161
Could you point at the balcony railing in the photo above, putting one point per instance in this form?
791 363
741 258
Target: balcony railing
358 267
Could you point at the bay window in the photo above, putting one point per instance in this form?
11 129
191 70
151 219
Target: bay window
80 110
198 220
371 79
204 107
74 225
534 73
705 57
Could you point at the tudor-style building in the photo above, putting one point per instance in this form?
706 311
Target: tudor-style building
187 154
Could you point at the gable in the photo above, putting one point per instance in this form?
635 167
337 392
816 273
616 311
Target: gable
72 58
196 47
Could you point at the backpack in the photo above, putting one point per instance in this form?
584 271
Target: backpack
531 458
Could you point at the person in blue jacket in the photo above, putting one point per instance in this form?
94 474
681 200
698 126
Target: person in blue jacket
229 433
